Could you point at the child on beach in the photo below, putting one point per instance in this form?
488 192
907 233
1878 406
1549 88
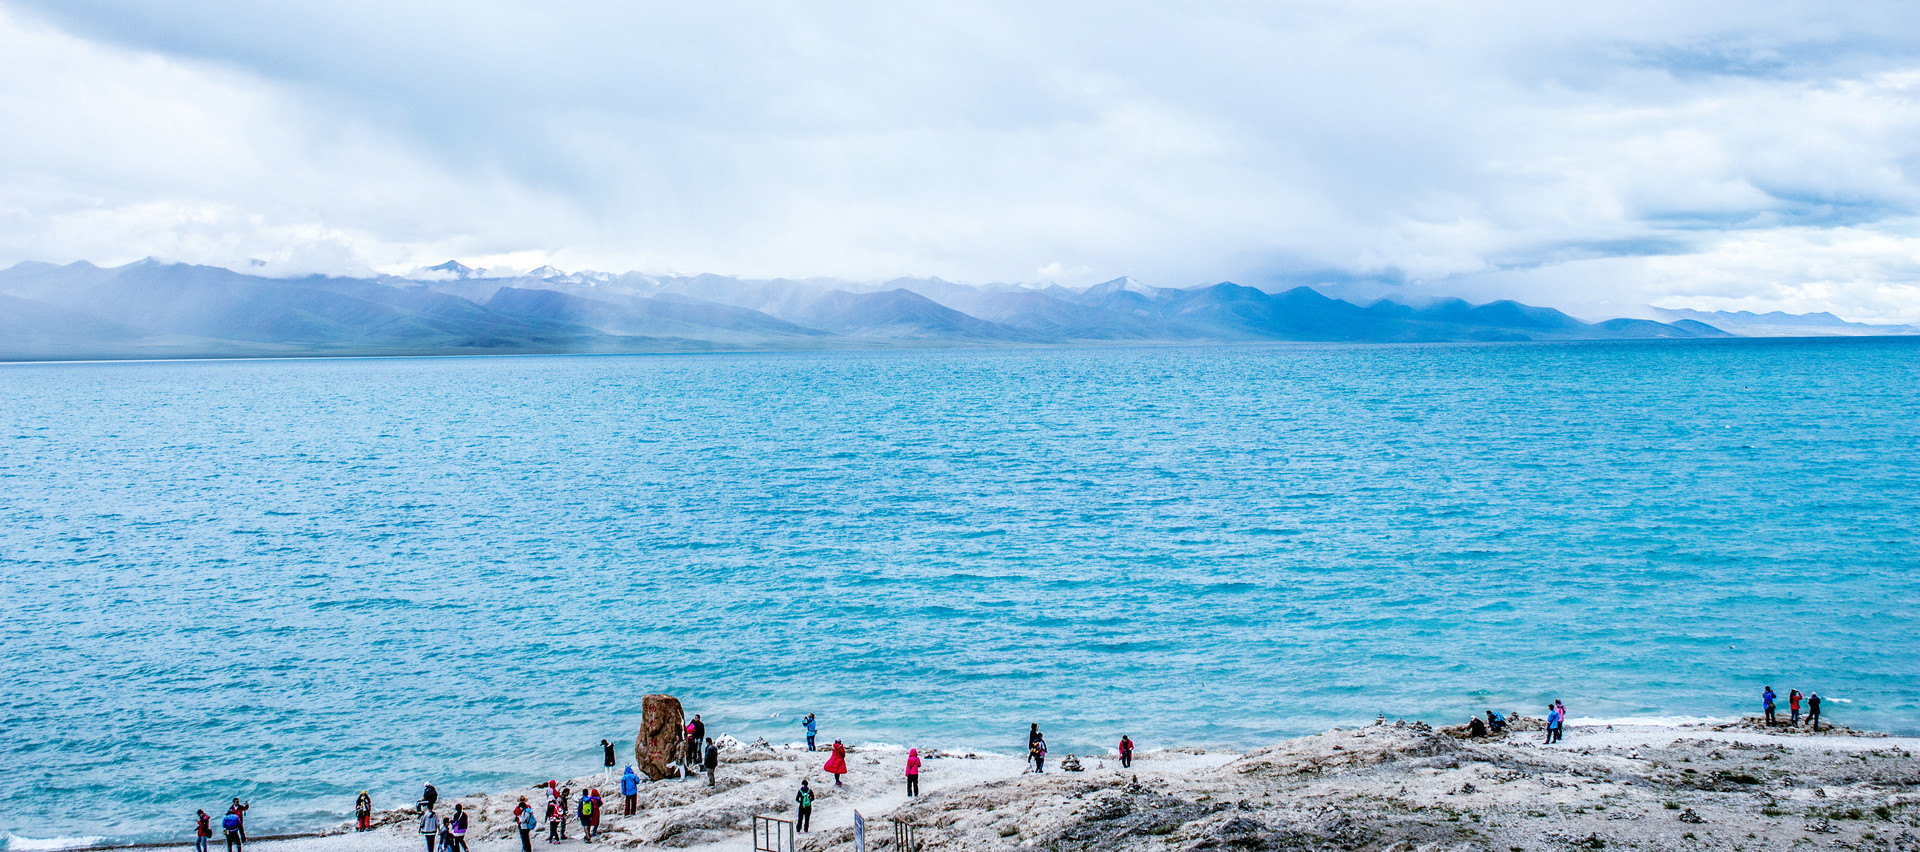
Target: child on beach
837 764
913 772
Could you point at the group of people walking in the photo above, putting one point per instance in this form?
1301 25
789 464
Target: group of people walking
1793 708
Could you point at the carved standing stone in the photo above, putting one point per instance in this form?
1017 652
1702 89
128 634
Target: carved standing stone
662 728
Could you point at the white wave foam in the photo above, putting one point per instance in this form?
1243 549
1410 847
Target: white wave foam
1651 721
15 841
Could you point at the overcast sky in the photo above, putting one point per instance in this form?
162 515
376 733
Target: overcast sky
1598 156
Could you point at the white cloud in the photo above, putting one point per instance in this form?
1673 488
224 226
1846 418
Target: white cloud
1586 155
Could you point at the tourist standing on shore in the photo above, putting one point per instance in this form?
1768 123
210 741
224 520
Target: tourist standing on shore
1033 737
805 799
556 817
599 807
1793 708
1563 719
430 796
524 819
1039 751
630 788
913 772
1126 752
689 751
837 762
363 812
446 835
813 729
457 829
585 812
607 758
1553 724
1766 704
1813 710
711 760
202 831
236 837
239 813
430 827
566 807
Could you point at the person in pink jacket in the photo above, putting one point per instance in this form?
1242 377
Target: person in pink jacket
913 772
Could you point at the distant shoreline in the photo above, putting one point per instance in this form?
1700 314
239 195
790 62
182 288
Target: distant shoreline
943 346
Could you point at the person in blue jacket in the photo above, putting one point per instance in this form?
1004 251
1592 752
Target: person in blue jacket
630 788
1766 704
813 730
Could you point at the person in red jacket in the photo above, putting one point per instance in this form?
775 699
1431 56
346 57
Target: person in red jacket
837 764
201 832
913 772
1126 751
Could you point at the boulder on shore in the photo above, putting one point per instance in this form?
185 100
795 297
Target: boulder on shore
658 744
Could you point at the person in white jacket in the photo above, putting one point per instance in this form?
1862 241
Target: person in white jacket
430 827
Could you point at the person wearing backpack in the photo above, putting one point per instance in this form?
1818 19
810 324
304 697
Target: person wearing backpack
457 830
524 820
805 798
201 832
630 788
556 817
231 825
430 827
586 817
363 812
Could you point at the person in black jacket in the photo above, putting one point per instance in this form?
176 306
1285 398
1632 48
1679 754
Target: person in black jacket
805 800
712 761
607 758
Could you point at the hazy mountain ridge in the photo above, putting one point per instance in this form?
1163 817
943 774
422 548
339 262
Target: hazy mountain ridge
1781 324
150 309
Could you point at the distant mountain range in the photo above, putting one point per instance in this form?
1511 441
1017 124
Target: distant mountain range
159 310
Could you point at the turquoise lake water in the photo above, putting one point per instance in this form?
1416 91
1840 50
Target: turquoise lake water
291 580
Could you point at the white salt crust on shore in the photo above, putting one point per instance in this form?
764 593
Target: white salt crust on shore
1375 787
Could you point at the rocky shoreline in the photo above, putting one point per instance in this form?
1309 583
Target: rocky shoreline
1387 786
